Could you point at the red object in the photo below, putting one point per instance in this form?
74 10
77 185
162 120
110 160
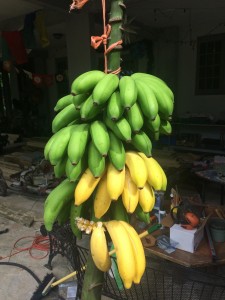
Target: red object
16 46
192 219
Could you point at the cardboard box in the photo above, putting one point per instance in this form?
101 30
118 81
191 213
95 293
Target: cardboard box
188 240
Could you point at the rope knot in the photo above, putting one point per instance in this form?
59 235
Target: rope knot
96 41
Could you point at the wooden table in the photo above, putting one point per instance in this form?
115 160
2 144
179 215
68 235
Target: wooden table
200 258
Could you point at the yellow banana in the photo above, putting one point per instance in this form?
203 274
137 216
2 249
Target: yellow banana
130 193
124 251
99 249
154 172
137 168
115 181
102 198
164 181
139 254
85 187
147 198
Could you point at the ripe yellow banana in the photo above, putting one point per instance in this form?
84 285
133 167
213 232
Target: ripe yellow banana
115 181
139 254
102 199
154 172
137 168
164 181
99 249
130 193
147 198
85 187
124 251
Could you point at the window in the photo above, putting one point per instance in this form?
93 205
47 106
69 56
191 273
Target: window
210 77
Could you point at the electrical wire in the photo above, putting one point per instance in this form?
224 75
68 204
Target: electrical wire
38 242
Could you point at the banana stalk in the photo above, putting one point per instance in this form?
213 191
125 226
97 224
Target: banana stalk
115 20
93 279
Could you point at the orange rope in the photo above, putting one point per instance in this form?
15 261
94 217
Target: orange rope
96 41
78 4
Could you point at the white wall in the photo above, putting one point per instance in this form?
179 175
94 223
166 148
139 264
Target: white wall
186 100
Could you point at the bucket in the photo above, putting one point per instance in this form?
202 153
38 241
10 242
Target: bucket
217 229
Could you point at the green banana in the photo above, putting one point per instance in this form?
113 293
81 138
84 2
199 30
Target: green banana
147 100
128 91
96 162
104 88
118 211
135 118
63 102
75 212
73 172
155 80
88 110
77 143
114 107
164 100
86 82
123 131
153 125
116 152
59 168
62 195
142 143
59 145
79 99
49 144
100 137
64 214
165 127
64 117
141 215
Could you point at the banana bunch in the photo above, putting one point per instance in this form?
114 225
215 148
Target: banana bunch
128 248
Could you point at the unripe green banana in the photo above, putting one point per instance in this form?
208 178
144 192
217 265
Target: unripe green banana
100 137
88 110
116 152
62 195
60 167
105 88
77 143
64 214
114 107
86 81
118 211
153 125
63 102
96 162
164 100
79 99
64 117
59 146
125 134
75 212
142 143
141 215
128 91
147 100
49 144
155 80
165 127
73 172
135 118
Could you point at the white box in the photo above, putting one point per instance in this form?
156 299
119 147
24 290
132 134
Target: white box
188 240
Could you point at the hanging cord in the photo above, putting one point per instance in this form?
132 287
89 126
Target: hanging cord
96 41
39 243
78 4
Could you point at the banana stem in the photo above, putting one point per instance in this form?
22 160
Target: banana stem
115 20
